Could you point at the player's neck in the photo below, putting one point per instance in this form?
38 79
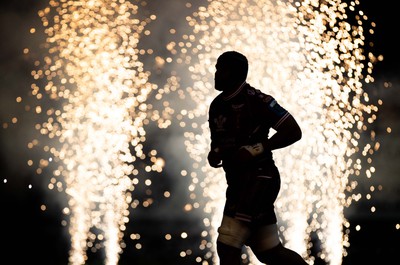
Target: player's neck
233 92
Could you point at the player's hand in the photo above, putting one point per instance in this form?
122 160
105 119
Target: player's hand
248 152
214 158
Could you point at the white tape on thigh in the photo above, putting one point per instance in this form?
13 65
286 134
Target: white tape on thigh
233 232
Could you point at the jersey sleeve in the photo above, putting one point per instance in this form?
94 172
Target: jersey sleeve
272 111
280 114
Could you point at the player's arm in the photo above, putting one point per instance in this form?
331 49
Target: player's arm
287 133
214 156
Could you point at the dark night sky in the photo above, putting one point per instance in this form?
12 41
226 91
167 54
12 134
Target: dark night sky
38 237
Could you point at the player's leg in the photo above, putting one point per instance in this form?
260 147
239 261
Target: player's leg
231 237
268 248
228 255
280 255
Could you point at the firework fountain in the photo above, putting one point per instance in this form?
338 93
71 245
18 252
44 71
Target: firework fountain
93 70
308 54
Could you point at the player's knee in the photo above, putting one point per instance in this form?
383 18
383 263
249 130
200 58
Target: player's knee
232 232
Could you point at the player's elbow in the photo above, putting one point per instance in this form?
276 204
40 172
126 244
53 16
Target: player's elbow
295 129
291 129
298 134
295 132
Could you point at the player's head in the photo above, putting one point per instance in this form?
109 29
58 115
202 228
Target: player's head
232 68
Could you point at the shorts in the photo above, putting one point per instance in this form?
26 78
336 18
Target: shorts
252 194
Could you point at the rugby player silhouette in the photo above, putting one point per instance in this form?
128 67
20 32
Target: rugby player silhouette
240 120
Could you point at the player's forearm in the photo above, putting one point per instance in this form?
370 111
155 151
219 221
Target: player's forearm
281 140
288 133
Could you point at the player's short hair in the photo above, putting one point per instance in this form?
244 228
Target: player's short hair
237 62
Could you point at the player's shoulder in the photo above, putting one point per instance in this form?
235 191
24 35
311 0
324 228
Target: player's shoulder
257 95
218 100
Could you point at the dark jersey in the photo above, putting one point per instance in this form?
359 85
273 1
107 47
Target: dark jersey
245 118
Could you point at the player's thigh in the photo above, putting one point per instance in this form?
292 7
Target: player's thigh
233 232
264 238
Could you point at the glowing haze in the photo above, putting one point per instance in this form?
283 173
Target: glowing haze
308 54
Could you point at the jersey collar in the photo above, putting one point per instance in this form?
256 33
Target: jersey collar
228 97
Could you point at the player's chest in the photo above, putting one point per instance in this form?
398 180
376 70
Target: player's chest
233 116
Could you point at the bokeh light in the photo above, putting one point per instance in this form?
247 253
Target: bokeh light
103 92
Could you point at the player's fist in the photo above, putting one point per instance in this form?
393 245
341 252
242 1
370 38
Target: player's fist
214 158
247 152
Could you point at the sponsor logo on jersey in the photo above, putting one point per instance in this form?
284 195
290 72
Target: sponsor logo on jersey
275 107
238 106
250 92
267 98
219 122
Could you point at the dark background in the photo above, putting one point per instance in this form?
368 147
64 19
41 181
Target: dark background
30 235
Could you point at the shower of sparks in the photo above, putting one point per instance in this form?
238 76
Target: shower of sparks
311 58
98 99
92 69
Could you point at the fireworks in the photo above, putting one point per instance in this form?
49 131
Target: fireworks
93 70
308 54
311 58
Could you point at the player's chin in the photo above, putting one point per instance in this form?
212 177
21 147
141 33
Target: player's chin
218 87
